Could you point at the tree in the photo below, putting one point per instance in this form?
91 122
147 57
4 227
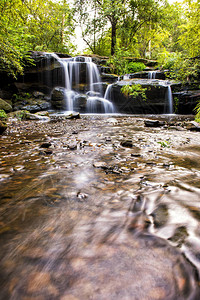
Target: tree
32 25
124 18
95 15
190 31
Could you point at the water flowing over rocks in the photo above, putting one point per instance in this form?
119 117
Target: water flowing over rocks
99 207
82 76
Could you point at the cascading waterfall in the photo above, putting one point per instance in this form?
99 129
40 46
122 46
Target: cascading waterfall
152 74
107 94
81 72
97 104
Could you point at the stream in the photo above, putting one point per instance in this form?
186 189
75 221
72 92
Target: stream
100 207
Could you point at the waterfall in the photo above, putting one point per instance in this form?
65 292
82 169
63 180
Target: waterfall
82 77
107 94
170 99
126 77
96 104
152 74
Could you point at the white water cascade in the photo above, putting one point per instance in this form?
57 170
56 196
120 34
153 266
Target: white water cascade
170 99
152 74
82 81
107 94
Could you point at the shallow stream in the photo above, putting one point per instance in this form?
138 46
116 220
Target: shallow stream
100 207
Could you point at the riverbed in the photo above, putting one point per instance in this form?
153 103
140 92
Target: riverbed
100 207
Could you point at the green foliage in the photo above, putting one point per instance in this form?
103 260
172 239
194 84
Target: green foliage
133 67
180 67
122 19
164 144
21 97
20 114
197 110
118 62
176 104
3 115
189 38
135 90
32 25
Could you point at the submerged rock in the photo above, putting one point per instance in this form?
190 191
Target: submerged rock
160 215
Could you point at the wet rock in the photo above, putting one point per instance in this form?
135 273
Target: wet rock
30 116
81 196
127 143
75 115
37 94
3 126
153 123
179 235
93 94
26 115
100 164
80 102
45 145
5 105
109 77
194 126
58 97
112 121
73 146
160 215
136 155
42 113
46 152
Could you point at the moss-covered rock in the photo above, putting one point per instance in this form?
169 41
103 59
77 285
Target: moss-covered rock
5 106
26 115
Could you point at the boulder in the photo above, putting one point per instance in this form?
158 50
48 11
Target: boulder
80 103
26 115
58 97
42 105
5 106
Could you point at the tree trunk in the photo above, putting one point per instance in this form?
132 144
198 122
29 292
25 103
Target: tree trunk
113 37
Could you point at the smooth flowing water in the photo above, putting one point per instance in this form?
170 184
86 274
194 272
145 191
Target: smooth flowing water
82 72
152 74
99 208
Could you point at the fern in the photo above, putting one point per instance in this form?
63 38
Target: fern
197 111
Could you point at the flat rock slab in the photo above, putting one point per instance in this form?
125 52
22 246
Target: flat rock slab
131 265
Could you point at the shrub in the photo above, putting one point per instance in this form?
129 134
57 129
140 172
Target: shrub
134 67
3 115
197 110
134 90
